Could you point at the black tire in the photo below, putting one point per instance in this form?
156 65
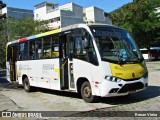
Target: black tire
86 93
27 86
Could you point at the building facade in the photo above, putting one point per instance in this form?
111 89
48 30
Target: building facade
96 15
68 14
17 13
58 16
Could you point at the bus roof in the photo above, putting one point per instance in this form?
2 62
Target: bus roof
55 31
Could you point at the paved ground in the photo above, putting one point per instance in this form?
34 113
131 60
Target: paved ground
148 100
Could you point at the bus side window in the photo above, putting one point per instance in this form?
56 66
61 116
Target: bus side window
38 49
55 46
80 50
32 49
78 46
47 47
23 51
92 54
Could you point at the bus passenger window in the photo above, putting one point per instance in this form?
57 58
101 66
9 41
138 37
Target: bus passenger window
23 51
55 46
78 45
32 50
47 48
80 52
38 49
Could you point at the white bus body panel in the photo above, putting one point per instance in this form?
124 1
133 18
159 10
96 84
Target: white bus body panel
99 73
41 73
22 69
95 74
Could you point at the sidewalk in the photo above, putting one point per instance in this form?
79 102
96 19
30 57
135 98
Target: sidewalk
153 65
7 104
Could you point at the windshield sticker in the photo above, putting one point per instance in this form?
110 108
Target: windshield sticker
123 54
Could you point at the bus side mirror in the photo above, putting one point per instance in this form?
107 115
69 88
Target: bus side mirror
86 43
86 40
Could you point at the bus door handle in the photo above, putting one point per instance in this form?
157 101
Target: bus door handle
42 77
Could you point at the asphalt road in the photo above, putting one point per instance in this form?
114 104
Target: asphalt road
13 97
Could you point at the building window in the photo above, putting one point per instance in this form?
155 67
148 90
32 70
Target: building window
54 20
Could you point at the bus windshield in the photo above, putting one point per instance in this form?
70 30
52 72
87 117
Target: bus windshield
116 45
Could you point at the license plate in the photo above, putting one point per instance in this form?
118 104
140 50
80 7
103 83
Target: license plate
131 91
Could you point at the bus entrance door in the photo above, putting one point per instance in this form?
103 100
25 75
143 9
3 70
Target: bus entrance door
66 62
63 62
13 55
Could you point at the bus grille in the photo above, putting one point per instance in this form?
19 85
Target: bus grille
130 87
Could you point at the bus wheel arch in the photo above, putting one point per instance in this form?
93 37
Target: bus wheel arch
80 81
26 83
84 88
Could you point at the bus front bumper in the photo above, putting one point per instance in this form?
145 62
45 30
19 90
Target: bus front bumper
122 88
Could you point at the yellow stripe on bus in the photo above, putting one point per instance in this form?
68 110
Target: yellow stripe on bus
57 71
48 33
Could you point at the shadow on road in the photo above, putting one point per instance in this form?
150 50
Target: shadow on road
4 83
148 93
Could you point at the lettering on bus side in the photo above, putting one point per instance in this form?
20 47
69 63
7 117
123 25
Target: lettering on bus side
48 67
24 67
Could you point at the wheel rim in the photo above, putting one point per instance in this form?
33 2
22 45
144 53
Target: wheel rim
26 85
87 91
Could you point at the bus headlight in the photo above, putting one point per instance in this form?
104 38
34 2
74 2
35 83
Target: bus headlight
112 79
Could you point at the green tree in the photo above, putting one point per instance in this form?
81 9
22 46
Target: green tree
140 18
13 29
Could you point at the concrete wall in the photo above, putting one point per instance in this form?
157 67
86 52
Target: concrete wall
67 7
39 14
90 14
99 14
65 21
96 15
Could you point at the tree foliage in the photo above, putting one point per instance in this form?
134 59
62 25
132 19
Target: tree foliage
13 29
141 19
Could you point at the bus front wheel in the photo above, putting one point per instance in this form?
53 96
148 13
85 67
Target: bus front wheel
27 86
86 93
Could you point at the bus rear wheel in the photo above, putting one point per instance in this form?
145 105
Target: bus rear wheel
86 93
27 86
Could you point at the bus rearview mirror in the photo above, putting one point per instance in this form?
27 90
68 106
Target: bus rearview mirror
86 43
